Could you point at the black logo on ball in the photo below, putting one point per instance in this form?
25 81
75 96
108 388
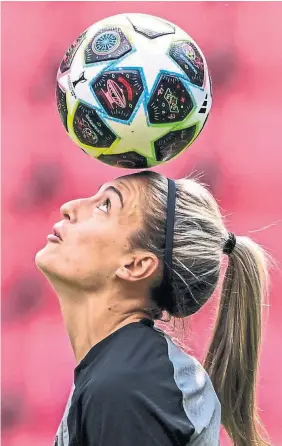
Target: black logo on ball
171 144
80 79
108 44
187 55
118 92
170 101
129 160
90 129
62 106
68 58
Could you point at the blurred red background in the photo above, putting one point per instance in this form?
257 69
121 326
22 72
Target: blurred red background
239 153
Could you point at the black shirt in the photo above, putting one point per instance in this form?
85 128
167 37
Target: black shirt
137 388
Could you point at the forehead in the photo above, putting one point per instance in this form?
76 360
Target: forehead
133 188
133 191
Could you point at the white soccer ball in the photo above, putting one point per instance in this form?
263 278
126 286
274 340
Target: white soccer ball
134 91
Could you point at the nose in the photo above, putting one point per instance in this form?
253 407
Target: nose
68 210
76 209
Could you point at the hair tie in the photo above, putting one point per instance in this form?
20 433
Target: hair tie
229 244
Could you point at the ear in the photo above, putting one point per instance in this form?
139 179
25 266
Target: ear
139 266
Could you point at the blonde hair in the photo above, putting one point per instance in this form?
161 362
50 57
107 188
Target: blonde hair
199 239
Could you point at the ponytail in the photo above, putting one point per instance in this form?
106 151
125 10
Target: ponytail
199 238
232 358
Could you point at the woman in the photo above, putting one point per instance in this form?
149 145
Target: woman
144 245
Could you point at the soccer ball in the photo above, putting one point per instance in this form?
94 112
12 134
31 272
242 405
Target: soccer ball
133 91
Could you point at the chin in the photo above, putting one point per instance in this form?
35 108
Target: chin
51 264
44 260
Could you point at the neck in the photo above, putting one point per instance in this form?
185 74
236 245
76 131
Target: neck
90 317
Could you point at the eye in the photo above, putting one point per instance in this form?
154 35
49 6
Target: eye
105 206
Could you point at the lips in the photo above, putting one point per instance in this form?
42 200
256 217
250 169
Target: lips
57 233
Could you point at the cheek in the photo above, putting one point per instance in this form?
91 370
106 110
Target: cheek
98 244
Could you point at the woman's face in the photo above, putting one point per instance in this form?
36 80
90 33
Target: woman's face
94 235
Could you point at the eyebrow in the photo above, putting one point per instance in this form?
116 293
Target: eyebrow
114 189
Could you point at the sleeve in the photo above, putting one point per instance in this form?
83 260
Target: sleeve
125 416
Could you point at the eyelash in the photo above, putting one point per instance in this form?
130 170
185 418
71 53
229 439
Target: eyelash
107 202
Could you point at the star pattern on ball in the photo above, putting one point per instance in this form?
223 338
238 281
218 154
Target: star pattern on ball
148 51
133 135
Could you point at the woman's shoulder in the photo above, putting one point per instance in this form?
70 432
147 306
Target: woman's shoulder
200 401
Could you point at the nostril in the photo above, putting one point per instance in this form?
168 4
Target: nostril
68 210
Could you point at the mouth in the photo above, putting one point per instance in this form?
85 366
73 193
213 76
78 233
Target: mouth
55 236
57 233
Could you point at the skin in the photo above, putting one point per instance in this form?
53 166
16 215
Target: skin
102 284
